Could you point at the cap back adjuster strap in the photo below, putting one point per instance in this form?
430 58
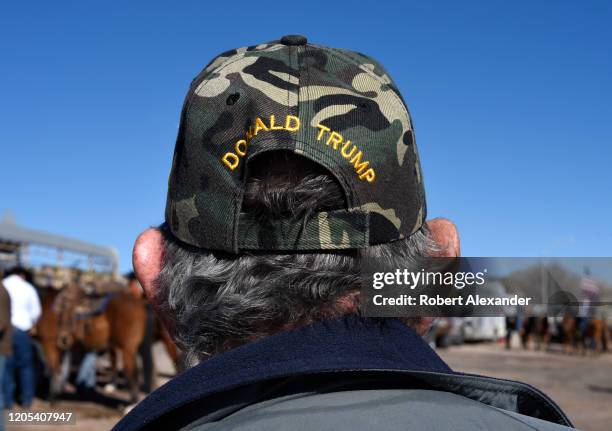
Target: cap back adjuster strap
340 229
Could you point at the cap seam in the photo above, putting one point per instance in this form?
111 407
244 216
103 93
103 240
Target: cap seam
297 106
353 197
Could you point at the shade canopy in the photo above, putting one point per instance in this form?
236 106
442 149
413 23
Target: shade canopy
12 232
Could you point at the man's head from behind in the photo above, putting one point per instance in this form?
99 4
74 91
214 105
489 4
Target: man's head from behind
20 272
293 164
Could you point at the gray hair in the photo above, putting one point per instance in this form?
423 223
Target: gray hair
216 301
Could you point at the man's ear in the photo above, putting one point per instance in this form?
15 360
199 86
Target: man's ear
147 259
444 233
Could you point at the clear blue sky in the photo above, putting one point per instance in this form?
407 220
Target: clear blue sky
511 102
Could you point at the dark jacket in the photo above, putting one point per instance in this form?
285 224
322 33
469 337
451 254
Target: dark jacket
340 374
5 322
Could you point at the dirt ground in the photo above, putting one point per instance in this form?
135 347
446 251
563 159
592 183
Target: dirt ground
582 386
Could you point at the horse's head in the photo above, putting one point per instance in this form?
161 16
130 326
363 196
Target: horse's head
65 308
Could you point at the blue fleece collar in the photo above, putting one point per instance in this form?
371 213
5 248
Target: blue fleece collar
345 344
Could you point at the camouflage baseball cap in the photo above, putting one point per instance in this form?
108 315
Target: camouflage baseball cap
338 108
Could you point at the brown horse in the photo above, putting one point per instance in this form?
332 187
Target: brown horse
160 333
568 328
596 335
535 328
592 337
64 325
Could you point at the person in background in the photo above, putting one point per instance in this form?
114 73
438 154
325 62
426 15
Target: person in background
146 347
25 311
86 376
514 323
5 340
